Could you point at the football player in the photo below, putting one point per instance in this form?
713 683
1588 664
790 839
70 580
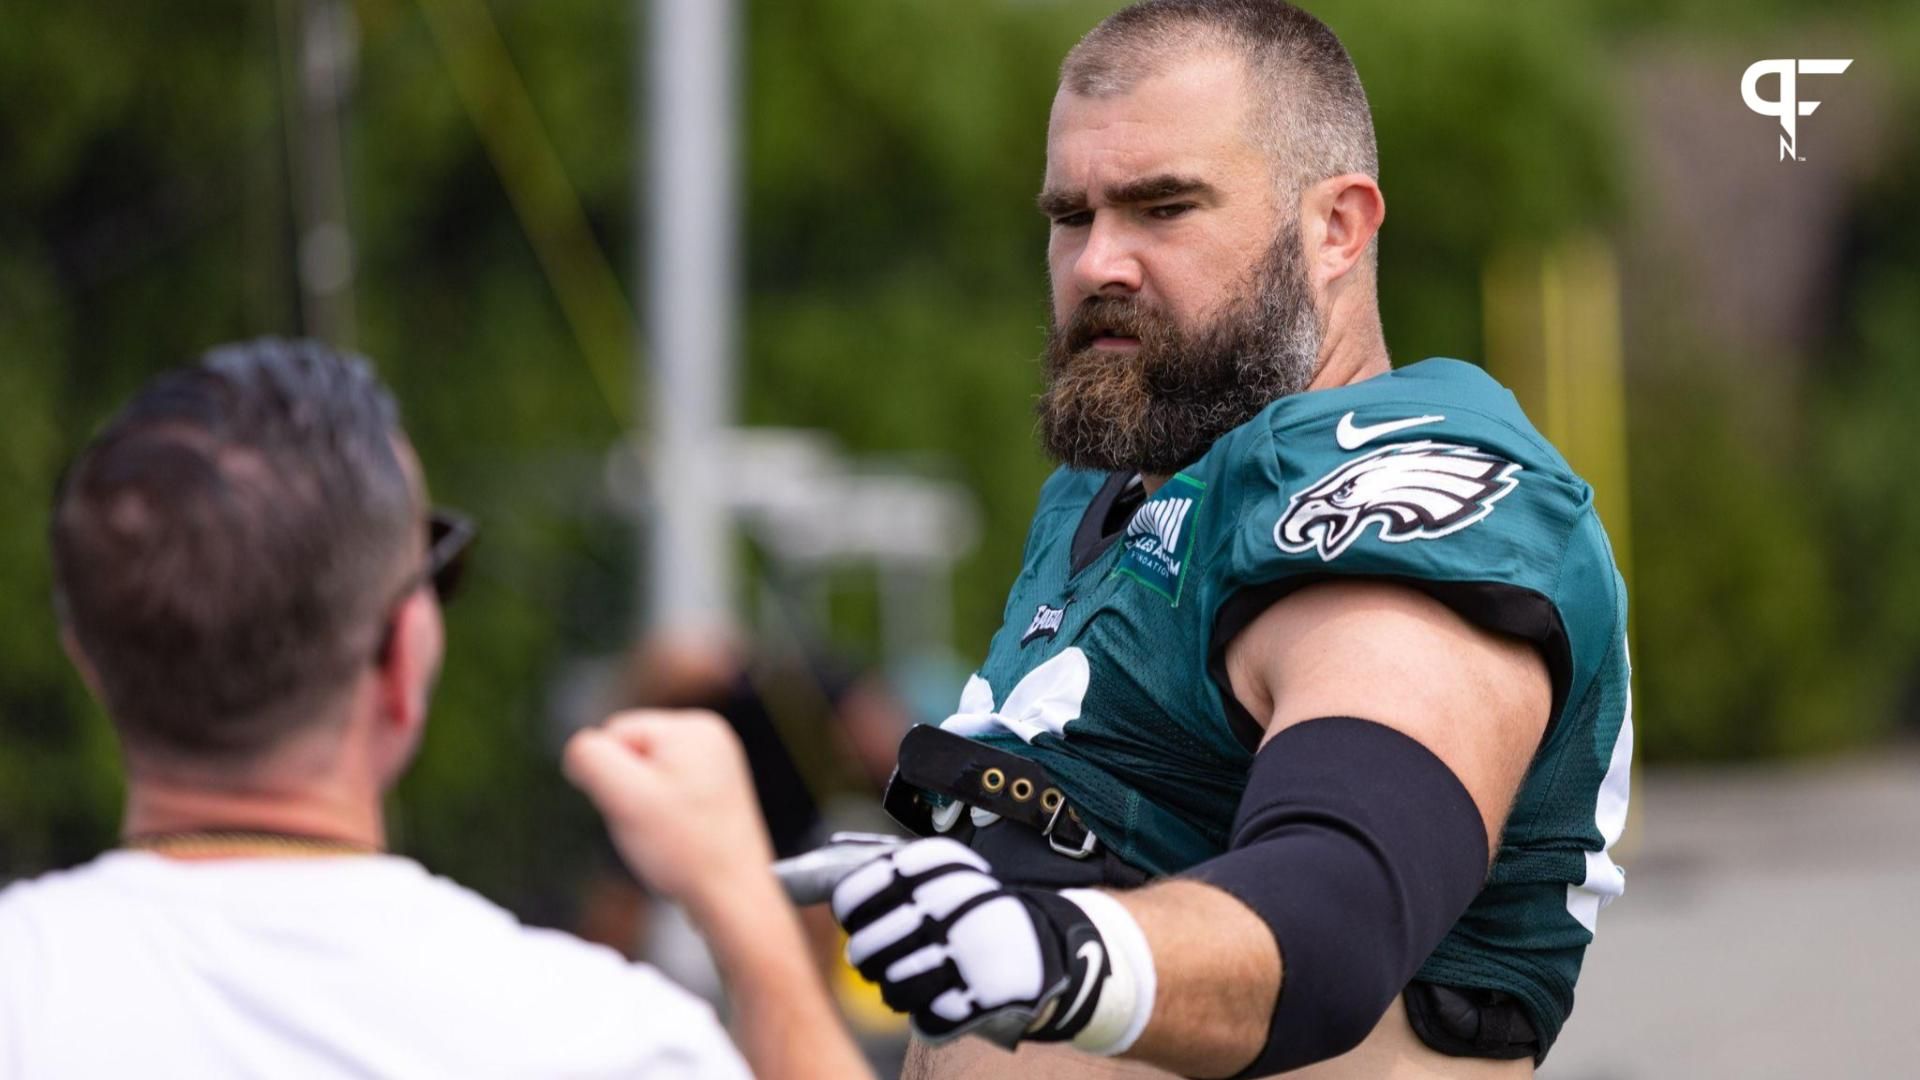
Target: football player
1306 735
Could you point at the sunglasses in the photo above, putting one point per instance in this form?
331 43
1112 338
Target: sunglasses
450 536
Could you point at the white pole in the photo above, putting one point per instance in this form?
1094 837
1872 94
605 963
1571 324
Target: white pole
686 204
324 47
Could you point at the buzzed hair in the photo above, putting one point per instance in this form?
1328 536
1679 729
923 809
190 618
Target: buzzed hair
1309 112
226 551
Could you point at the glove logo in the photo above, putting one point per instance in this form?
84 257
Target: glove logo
1414 491
1093 960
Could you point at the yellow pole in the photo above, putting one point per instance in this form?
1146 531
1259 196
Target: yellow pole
1552 327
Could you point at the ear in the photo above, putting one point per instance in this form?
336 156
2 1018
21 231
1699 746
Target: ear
1339 217
406 673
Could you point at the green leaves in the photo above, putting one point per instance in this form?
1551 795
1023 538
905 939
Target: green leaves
896 296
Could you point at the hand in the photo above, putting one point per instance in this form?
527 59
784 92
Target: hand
960 952
678 800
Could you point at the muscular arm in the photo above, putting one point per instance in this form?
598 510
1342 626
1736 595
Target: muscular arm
1477 701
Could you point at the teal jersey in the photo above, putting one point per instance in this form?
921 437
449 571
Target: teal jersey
1109 668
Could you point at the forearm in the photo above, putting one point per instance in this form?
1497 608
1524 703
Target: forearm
784 1021
1218 977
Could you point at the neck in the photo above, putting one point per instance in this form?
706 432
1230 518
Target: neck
1355 347
342 812
157 810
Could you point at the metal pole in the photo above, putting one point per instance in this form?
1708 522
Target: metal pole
324 50
687 202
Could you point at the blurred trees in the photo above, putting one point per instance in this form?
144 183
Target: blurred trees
895 295
1775 592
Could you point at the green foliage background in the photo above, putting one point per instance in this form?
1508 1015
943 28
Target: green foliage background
895 283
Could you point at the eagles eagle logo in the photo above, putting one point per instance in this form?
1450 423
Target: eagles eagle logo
1415 491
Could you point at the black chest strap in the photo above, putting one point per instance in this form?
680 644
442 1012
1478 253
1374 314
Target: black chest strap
952 768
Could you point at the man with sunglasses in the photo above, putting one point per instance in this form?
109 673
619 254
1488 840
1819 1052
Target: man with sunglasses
248 579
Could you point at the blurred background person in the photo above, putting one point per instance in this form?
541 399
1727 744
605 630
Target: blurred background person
249 578
819 740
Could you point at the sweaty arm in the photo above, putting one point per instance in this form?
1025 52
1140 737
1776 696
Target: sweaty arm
1445 718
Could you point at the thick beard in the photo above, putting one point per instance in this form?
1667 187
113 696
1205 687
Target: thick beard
1158 408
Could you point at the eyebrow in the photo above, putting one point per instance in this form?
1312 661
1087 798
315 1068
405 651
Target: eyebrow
1059 202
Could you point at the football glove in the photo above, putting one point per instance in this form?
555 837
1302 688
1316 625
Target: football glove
961 953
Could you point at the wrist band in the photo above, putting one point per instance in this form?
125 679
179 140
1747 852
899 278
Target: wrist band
1126 998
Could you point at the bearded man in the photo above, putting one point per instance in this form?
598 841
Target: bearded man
1306 736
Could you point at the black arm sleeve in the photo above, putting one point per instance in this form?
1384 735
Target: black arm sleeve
1359 848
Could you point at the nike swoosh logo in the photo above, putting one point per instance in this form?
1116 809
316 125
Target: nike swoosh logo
1096 957
1352 436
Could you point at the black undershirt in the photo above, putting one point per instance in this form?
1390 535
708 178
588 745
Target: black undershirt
1106 517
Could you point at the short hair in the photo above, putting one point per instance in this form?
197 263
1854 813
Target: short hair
227 549
1309 113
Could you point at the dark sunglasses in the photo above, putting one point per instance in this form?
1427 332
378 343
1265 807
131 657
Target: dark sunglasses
450 536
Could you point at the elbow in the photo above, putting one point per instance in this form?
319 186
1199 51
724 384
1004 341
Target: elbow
1347 1028
1326 1018
1357 874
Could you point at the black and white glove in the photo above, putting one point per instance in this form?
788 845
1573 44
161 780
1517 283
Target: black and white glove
961 953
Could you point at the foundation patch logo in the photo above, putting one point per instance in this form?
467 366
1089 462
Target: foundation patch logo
1160 536
1788 108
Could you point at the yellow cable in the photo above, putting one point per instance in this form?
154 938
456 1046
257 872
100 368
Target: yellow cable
496 99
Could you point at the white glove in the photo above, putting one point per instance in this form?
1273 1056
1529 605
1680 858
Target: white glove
960 952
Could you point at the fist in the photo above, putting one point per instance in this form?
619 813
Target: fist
674 789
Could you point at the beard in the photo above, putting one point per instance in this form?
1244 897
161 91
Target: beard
1159 407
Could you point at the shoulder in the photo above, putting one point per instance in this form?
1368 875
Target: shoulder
1434 401
53 928
565 992
1430 477
1431 472
69 894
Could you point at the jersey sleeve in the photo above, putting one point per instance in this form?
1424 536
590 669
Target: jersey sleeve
1466 506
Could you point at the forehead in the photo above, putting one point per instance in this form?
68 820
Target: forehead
1188 119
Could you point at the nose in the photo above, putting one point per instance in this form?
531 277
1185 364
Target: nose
1108 262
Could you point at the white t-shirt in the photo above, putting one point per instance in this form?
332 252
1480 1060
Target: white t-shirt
139 965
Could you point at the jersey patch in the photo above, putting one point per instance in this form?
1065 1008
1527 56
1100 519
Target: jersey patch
1046 622
1160 537
1414 491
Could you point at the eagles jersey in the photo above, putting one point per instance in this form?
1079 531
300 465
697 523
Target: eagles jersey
1109 668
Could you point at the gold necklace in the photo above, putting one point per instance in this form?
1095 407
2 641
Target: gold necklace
208 843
